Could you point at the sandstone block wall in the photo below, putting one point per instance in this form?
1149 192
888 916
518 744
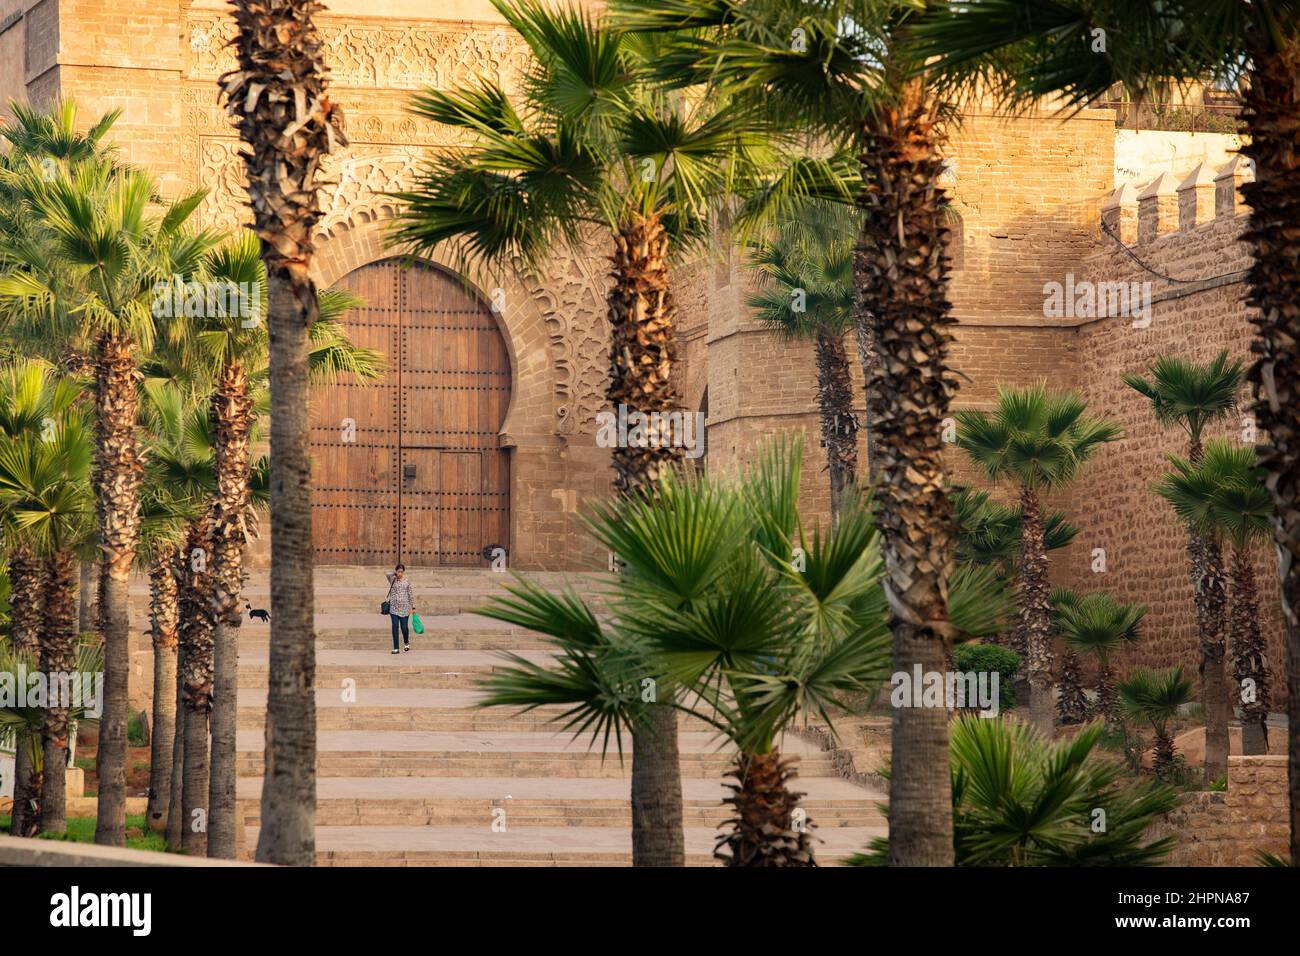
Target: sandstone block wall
1229 828
1114 505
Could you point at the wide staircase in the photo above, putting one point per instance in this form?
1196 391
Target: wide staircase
411 772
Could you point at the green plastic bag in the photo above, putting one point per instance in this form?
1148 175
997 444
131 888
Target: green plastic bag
416 623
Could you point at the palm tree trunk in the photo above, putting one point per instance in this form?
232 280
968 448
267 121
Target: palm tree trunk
58 656
288 811
642 355
1036 613
231 414
1072 705
869 360
1272 102
1162 754
902 276
22 783
87 610
763 831
643 352
164 616
1211 595
1106 700
27 591
1249 668
196 679
118 473
175 820
279 84
839 424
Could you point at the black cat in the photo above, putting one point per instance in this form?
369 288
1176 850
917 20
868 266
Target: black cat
257 613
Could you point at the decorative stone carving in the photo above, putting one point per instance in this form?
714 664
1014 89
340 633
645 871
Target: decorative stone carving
398 54
571 296
374 66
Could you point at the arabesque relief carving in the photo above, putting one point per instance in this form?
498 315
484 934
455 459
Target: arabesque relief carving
374 66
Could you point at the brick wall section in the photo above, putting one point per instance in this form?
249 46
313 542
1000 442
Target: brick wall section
13 43
1113 503
1026 189
1228 828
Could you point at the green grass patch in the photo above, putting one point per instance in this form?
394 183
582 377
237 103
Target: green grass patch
82 830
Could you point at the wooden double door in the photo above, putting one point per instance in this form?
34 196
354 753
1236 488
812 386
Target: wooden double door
409 468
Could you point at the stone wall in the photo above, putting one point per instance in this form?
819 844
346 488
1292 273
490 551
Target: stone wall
1228 828
1190 231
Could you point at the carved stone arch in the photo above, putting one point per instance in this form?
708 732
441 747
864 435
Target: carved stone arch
554 324
359 240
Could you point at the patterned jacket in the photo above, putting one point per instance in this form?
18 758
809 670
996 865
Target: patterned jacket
401 598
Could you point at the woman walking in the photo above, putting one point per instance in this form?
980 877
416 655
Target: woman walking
401 605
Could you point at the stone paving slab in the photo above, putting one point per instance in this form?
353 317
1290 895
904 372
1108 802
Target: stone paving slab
397 741
412 660
837 843
573 790
453 698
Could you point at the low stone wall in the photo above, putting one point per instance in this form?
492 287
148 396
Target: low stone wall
18 852
1227 828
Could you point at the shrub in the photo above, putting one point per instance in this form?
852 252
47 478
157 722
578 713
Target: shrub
1021 800
989 658
137 733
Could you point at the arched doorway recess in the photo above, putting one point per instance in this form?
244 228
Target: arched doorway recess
410 468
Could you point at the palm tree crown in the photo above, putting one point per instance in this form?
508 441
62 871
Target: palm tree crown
1098 624
590 143
1038 438
1190 395
1222 495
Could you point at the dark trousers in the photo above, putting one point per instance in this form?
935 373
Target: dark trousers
406 628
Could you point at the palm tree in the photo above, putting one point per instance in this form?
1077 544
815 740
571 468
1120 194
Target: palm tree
989 532
277 96
235 347
1044 46
1222 496
763 646
1020 799
837 76
24 407
91 245
1099 625
1193 397
1155 696
27 724
1040 440
713 599
1071 701
591 146
45 487
178 481
805 291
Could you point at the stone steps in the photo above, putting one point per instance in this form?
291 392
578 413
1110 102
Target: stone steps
412 773
343 753
418 708
526 846
432 669
461 801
